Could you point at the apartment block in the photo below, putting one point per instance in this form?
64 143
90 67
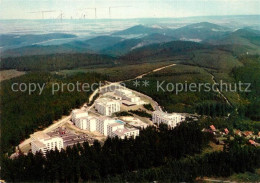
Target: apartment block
78 113
106 106
127 95
171 119
40 141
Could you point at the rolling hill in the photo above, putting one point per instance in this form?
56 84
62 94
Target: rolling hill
75 47
87 46
55 62
102 42
110 45
13 40
199 32
163 50
128 45
248 37
241 41
142 30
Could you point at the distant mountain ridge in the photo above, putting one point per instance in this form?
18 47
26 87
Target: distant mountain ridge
127 45
199 32
16 40
117 44
163 50
142 30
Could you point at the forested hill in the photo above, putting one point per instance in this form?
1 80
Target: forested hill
54 62
169 49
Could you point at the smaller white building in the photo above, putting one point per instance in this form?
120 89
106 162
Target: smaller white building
40 141
127 95
106 106
113 127
171 119
78 113
126 133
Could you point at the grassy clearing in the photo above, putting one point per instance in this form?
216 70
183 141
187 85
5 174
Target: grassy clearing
122 72
8 74
182 73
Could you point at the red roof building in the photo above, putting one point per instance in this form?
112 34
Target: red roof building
252 142
226 131
212 127
238 132
248 133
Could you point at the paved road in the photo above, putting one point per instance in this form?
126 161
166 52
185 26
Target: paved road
225 98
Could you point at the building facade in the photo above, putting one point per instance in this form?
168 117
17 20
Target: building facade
106 106
86 123
171 119
40 141
126 133
102 123
78 113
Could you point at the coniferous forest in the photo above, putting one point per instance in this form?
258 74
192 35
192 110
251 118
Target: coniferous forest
157 154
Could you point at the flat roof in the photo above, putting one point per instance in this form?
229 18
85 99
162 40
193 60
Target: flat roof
78 111
116 124
125 102
131 129
40 135
124 90
88 117
104 118
106 101
120 132
164 114
39 144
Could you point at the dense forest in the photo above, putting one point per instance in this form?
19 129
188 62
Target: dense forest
22 113
234 159
174 48
151 149
249 73
157 154
54 62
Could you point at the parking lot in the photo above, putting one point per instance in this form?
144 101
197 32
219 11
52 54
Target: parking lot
70 138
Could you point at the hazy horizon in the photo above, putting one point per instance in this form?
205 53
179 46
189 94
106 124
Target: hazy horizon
124 9
200 16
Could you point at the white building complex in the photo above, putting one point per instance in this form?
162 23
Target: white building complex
106 126
40 141
127 95
171 119
106 106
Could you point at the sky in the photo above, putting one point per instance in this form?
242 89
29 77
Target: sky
123 9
